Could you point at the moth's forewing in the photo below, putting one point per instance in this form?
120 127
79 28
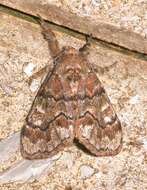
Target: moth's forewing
48 127
98 127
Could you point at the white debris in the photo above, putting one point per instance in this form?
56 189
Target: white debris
9 146
145 143
98 175
86 171
134 99
145 31
27 170
96 2
29 69
67 159
145 16
34 85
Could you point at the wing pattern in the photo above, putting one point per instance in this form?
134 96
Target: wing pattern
71 103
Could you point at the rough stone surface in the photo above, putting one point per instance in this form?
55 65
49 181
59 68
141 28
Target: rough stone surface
125 80
120 22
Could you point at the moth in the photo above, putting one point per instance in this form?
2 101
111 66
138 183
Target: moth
70 104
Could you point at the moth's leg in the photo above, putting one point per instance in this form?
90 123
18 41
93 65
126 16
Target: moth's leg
50 37
84 48
94 67
84 51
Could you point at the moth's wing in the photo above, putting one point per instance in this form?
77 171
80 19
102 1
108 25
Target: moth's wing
98 127
48 127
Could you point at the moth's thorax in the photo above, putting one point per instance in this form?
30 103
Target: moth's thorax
70 50
72 60
72 69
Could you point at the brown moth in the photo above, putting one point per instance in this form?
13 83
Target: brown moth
70 104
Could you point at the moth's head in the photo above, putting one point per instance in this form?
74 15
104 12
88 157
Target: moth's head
73 73
73 65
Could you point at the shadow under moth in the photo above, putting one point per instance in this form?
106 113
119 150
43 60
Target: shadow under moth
70 104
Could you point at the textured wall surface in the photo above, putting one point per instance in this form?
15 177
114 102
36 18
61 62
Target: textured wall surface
120 22
23 52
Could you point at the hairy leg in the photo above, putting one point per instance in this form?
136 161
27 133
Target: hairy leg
50 37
